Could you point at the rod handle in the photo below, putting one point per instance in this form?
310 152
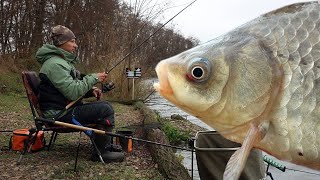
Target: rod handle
274 163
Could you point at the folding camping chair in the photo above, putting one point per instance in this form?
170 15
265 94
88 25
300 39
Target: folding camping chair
31 83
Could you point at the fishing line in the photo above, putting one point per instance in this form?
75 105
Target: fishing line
134 49
308 172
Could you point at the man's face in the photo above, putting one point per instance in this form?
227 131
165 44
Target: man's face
70 46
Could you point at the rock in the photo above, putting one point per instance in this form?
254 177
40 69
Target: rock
177 117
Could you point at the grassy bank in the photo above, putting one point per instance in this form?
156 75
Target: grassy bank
59 162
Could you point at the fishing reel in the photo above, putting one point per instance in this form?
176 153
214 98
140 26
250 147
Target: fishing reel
108 86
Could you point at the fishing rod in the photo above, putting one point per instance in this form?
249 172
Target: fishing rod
98 131
144 41
281 167
146 99
134 49
127 55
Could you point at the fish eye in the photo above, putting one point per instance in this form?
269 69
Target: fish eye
199 70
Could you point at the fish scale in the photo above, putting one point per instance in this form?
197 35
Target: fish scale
298 96
259 85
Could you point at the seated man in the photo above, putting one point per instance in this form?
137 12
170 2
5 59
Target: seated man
61 83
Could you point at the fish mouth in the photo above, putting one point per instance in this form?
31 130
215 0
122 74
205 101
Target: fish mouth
163 86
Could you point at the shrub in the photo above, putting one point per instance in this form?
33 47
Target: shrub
174 135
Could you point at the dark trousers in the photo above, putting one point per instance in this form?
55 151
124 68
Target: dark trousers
100 113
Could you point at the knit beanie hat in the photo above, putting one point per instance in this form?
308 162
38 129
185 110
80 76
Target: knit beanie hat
61 34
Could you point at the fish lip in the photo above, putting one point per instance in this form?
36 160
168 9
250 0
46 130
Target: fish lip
163 86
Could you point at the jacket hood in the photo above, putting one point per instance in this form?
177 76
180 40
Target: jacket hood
47 51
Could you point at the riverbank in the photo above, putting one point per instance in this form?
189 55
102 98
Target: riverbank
59 162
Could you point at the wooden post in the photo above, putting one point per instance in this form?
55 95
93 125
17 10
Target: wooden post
133 88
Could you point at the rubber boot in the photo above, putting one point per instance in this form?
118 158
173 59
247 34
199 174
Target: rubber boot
107 155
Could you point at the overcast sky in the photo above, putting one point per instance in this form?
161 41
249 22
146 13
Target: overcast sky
207 19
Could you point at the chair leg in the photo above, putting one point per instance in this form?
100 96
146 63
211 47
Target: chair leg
96 149
76 161
52 139
50 142
27 146
25 150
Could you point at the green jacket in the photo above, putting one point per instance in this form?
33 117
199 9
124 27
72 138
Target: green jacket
60 82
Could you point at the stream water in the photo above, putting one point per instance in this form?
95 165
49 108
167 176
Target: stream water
166 109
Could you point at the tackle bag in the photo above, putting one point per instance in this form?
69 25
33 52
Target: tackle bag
24 137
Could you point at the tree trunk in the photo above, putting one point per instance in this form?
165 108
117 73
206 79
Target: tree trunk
39 17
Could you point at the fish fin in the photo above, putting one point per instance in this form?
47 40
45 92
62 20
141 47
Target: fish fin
238 160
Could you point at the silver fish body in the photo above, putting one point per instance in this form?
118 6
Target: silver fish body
266 74
292 41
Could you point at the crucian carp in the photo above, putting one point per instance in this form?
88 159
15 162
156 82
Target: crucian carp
258 85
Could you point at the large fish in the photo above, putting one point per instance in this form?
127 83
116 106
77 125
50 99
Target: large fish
258 85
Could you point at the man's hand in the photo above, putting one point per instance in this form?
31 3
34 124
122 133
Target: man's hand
97 92
108 86
102 76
